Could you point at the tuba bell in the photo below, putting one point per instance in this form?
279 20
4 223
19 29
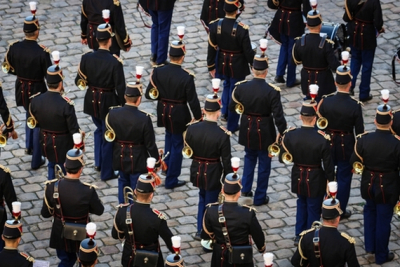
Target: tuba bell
287 158
129 194
239 108
273 150
322 123
5 67
153 93
358 167
82 84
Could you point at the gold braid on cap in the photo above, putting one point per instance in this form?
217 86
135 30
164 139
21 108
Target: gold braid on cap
90 250
336 207
35 21
59 72
79 158
179 263
107 29
344 73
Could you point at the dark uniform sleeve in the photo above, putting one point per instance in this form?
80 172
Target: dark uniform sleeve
150 140
96 207
351 257
212 50
72 121
9 192
247 50
81 69
357 148
8 58
328 163
147 93
47 209
166 235
257 233
117 231
119 81
119 24
359 123
207 232
296 58
331 58
277 111
378 21
46 62
192 98
235 95
84 22
297 260
226 154
5 113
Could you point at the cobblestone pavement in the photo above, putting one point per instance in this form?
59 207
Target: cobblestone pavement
60 31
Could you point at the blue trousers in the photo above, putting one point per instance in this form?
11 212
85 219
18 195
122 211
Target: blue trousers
32 141
364 59
103 150
126 179
233 117
343 177
68 259
377 219
285 59
308 211
160 33
264 170
51 169
173 144
205 197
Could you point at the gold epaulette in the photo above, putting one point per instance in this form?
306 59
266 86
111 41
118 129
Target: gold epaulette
250 208
225 130
306 231
358 136
326 136
244 81
35 95
69 101
215 20
122 205
392 111
5 169
116 2
160 65
148 114
358 101
114 107
27 257
119 59
330 41
160 214
193 122
90 185
14 43
212 204
328 95
50 181
246 27
289 129
190 73
351 239
45 48
275 87
297 38
397 137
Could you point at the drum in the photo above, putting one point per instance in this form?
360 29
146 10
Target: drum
254 47
338 34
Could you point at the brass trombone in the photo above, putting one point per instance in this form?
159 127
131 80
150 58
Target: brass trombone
109 135
358 167
153 93
129 194
187 151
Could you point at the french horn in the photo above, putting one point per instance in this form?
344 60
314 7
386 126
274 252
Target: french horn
82 84
109 134
287 158
239 108
396 209
358 167
153 93
129 194
273 150
5 67
187 151
31 122
322 123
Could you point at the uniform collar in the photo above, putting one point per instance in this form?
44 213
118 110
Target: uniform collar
343 93
9 248
142 203
227 17
208 120
175 64
386 131
307 127
131 105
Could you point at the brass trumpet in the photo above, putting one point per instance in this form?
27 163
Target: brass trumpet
5 67
322 123
129 194
239 108
153 93
287 158
273 150
358 167
82 84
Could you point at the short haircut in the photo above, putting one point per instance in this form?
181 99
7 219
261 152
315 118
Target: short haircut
307 119
132 99
143 196
342 86
87 263
175 58
233 13
52 85
73 171
103 42
259 72
30 34
331 221
386 126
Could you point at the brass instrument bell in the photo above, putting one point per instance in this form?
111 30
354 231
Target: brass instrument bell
396 209
31 122
322 123
153 93
287 158
273 150
109 135
129 194
5 67
187 152
3 140
239 108
358 167
82 84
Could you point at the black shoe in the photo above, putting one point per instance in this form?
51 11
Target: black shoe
390 257
351 92
248 194
266 201
296 240
279 79
97 168
28 151
296 82
197 236
366 99
346 214
178 184
42 162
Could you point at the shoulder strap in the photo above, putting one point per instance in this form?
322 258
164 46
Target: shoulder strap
129 224
234 29
322 42
303 40
56 196
222 221
219 26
